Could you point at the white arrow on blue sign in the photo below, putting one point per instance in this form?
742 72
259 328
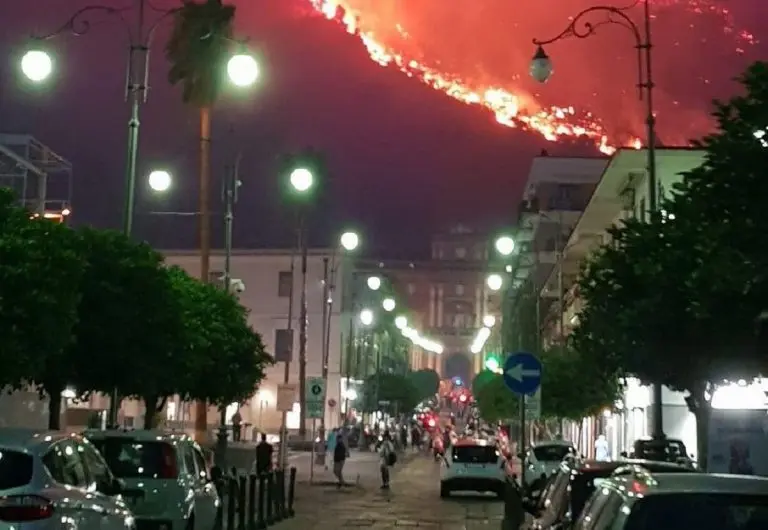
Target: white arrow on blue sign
522 373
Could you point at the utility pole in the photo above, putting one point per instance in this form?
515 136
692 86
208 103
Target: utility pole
303 330
324 358
287 368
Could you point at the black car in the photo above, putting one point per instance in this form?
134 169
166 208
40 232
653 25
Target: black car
564 496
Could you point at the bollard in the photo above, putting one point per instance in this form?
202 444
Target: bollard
241 508
291 493
231 504
514 514
220 488
270 491
279 474
252 502
262 522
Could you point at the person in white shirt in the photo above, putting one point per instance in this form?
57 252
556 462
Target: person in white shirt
387 458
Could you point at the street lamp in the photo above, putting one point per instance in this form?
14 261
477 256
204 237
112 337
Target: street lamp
36 65
160 180
242 69
388 304
366 317
489 321
541 69
301 179
374 283
349 241
494 282
401 322
505 245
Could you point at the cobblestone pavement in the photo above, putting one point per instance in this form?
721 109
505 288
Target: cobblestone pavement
414 501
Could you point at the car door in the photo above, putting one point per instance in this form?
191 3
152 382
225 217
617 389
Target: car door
100 477
590 515
206 496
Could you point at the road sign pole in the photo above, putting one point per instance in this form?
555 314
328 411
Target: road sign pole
312 456
521 443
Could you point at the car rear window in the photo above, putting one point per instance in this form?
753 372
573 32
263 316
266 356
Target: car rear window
475 454
550 453
704 510
129 458
15 469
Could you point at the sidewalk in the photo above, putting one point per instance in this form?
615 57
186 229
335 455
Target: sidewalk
414 500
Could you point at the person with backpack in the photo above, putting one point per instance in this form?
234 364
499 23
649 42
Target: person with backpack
339 458
387 458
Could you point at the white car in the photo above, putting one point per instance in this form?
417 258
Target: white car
473 465
170 469
675 501
544 458
57 481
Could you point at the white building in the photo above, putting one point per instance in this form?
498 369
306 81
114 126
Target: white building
266 277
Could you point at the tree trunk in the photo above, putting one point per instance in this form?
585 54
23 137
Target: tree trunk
703 413
54 405
152 406
201 410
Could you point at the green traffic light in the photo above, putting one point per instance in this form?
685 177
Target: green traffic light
492 364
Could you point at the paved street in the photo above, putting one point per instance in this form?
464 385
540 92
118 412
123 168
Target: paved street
413 501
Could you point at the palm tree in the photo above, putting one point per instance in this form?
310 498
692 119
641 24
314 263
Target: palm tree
197 50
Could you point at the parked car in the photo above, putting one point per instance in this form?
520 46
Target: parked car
171 470
544 458
661 450
57 481
473 465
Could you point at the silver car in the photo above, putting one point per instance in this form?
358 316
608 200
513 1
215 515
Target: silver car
56 481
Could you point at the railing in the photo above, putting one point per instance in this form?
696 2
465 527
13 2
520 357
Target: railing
255 501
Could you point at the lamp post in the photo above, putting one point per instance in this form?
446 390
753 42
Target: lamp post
541 69
37 65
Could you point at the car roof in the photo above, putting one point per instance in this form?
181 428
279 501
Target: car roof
600 465
31 441
557 443
707 483
468 442
144 435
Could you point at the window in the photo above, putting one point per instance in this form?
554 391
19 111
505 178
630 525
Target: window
15 469
98 471
189 460
475 454
609 511
552 453
461 252
65 466
589 517
130 458
284 284
459 289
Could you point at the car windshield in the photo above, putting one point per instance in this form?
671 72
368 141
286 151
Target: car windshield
133 459
702 511
475 454
552 453
15 469
660 451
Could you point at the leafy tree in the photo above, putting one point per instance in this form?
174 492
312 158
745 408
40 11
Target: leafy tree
425 382
40 271
481 379
226 357
396 389
130 321
495 401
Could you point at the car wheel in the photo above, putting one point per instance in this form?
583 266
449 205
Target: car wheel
445 491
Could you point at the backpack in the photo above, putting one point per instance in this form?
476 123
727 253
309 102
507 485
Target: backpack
391 457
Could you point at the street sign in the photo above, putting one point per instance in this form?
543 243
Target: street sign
533 405
315 397
522 373
287 394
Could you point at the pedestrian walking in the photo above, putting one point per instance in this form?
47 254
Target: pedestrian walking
330 444
264 452
340 454
387 458
237 421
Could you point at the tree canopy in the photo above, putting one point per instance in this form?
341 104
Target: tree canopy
495 402
390 393
425 382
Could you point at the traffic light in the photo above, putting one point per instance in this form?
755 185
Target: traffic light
492 363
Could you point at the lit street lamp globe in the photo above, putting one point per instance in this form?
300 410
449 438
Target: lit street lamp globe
541 66
388 304
159 180
301 179
401 322
243 70
374 283
36 65
494 282
366 317
350 241
505 245
489 321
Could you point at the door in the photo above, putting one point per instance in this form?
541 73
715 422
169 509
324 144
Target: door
206 496
111 508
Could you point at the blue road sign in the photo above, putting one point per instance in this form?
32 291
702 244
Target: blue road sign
522 373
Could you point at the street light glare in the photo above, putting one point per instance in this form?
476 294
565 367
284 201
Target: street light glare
495 281
374 283
489 321
401 322
505 245
301 179
350 241
159 180
388 304
243 70
366 317
36 65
